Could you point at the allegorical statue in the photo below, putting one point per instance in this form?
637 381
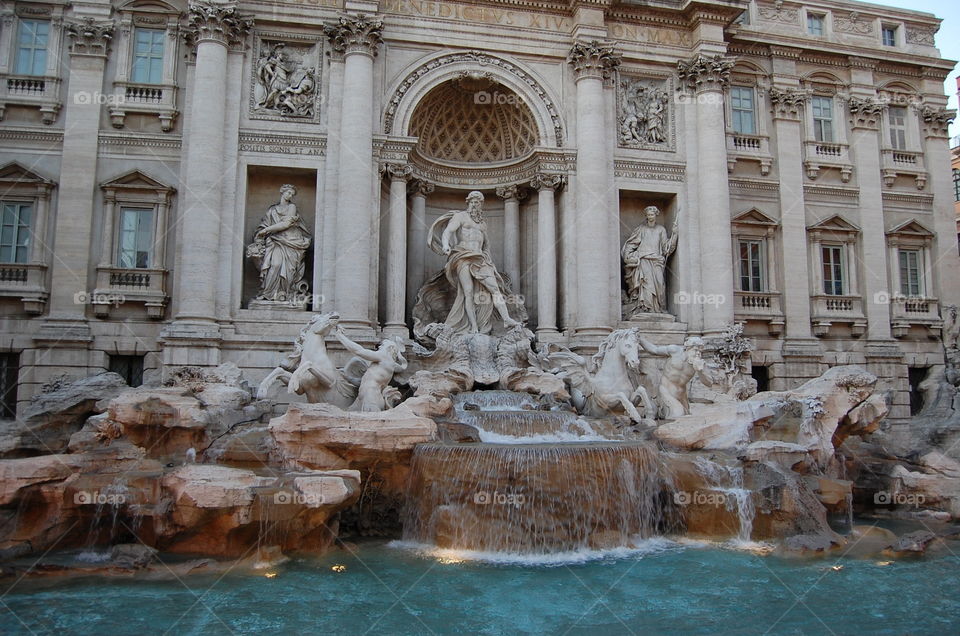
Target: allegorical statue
683 362
278 250
644 260
469 295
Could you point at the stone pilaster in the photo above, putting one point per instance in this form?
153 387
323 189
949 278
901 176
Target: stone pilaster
357 38
546 186
212 29
592 62
397 251
705 78
865 117
788 108
511 196
417 244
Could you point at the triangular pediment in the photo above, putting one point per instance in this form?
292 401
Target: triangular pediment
149 6
16 173
835 223
910 228
135 180
753 216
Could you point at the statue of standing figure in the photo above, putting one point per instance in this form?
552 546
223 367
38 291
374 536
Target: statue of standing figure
278 250
644 260
683 362
469 295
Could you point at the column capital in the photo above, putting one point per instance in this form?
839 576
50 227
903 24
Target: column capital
704 73
593 59
936 121
216 22
355 34
543 181
787 104
864 112
398 171
419 187
89 36
513 191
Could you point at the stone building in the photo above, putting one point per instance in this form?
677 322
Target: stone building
798 150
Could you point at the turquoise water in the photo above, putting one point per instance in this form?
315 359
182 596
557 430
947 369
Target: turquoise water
661 588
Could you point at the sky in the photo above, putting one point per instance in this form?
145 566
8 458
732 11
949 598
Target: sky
948 38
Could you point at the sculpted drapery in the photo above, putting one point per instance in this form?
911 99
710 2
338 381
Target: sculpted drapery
279 247
645 256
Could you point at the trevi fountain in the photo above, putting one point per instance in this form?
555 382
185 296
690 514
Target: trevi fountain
513 414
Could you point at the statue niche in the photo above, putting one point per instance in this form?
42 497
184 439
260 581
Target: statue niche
278 251
645 255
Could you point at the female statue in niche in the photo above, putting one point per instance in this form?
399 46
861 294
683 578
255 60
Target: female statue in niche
644 259
278 250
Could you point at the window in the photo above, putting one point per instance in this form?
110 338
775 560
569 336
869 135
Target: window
815 23
751 266
136 238
898 127
130 368
9 369
956 184
915 376
889 35
15 232
832 269
148 56
911 278
742 105
32 39
822 118
762 375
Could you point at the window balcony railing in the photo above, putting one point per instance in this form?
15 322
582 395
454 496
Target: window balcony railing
26 281
827 309
907 163
118 286
827 154
762 306
742 147
31 90
149 99
910 311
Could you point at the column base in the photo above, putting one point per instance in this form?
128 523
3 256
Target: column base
396 330
190 343
548 334
588 332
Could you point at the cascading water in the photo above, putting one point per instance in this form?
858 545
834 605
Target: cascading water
728 480
108 502
533 498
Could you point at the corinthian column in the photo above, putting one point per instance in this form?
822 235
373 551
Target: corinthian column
511 196
418 238
592 62
706 77
357 38
545 185
212 28
397 250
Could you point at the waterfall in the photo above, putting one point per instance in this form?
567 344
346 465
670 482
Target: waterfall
108 503
534 498
728 480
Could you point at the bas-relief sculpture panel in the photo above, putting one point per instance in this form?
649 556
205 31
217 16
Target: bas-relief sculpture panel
645 113
285 80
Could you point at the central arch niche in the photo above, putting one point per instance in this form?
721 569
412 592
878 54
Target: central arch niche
473 120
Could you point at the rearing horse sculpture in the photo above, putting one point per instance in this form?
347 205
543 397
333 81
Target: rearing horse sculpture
310 371
605 384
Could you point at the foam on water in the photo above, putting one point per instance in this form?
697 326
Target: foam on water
638 547
92 556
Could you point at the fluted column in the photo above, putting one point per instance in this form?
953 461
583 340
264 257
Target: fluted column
89 46
397 251
592 62
417 240
511 196
706 77
212 27
358 38
545 185
788 108
945 263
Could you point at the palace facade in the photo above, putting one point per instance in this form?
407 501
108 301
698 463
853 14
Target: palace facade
798 150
